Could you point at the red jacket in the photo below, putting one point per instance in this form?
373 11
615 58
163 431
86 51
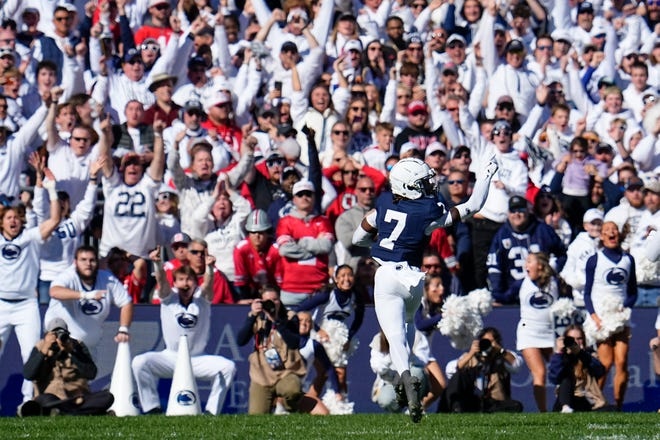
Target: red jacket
157 33
231 134
254 269
304 276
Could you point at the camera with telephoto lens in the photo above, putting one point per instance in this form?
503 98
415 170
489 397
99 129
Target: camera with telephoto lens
259 50
569 344
268 306
485 347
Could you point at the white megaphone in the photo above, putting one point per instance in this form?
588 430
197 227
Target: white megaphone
122 386
184 397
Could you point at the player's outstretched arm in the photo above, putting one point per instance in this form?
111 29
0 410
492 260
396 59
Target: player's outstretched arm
473 205
365 233
125 320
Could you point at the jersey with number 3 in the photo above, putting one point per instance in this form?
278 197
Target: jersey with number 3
129 220
401 227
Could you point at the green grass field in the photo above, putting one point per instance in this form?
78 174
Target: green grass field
361 426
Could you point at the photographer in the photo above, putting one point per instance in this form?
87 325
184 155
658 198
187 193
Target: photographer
576 372
482 382
61 367
276 366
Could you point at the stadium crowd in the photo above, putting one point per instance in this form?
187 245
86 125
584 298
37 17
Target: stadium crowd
260 133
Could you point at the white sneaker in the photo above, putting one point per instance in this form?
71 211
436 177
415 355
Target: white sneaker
280 410
566 409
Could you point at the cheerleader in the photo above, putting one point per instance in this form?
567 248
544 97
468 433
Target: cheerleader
427 318
337 306
535 336
611 276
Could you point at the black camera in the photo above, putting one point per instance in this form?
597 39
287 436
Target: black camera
485 347
268 306
62 335
569 343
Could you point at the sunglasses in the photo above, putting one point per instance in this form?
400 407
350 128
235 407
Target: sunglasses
289 50
503 132
455 44
196 252
462 156
456 182
352 172
438 35
162 6
151 47
304 193
505 106
366 189
340 132
549 47
134 61
419 113
359 109
80 139
63 18
273 162
418 6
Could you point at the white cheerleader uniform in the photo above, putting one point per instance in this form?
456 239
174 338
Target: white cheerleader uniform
536 326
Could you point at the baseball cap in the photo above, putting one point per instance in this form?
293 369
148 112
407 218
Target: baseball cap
633 183
605 81
456 37
416 106
180 237
562 35
290 170
413 38
353 45
502 124
193 105
653 185
499 27
517 204
215 99
289 46
274 154
197 61
302 185
592 214
56 323
131 54
585 7
504 98
460 150
514 45
408 146
433 147
598 31
604 148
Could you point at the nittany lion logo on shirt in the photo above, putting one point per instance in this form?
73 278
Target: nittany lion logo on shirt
186 320
541 300
11 251
616 276
91 307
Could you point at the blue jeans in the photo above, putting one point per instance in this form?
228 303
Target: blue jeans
43 287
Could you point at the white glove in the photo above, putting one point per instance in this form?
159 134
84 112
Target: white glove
89 295
49 185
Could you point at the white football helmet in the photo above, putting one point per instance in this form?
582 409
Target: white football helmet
412 179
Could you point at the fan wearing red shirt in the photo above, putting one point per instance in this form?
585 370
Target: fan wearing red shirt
305 239
158 26
220 111
179 244
257 261
350 171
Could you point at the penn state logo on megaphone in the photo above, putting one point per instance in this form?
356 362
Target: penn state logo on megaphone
186 398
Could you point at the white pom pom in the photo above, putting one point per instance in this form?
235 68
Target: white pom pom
613 318
563 308
337 338
336 406
461 318
481 301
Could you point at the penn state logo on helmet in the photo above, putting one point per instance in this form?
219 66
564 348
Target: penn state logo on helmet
11 251
186 398
541 300
91 307
186 320
616 276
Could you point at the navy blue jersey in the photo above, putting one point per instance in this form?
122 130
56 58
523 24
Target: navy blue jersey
401 228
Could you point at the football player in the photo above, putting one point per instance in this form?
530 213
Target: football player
397 231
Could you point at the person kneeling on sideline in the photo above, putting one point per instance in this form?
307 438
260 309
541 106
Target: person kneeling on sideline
61 367
185 309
